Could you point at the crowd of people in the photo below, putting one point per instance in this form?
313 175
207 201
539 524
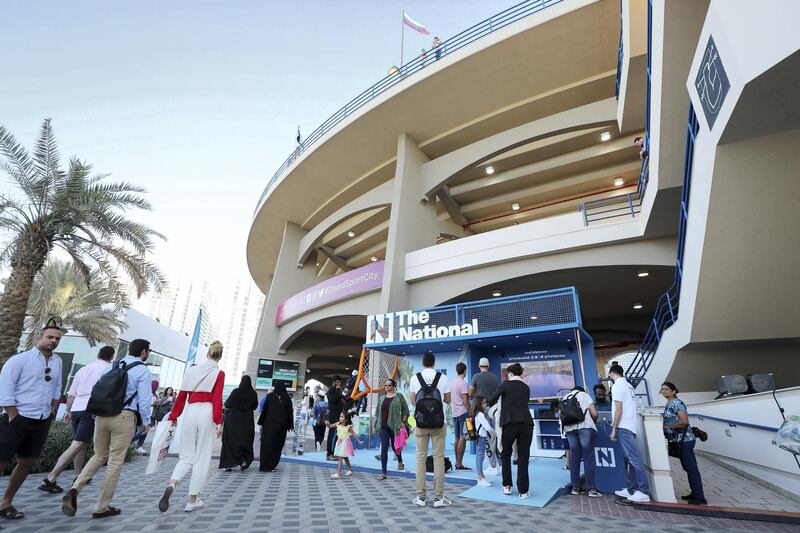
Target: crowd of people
107 401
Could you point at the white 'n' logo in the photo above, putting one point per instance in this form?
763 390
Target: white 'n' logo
605 457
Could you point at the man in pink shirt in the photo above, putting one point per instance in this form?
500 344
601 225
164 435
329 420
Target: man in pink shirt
459 394
82 422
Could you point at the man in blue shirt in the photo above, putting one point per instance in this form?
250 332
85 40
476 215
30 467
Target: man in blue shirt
30 389
112 434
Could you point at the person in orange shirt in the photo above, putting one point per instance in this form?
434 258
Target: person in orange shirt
202 391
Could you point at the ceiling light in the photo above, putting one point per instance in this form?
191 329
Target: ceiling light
494 346
489 170
515 206
308 370
317 263
350 355
638 305
619 182
373 258
642 274
347 368
534 317
496 293
516 223
351 234
605 136
339 327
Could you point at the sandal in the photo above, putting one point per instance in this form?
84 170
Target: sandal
50 487
11 513
382 477
111 511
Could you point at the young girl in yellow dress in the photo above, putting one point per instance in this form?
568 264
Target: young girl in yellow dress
344 446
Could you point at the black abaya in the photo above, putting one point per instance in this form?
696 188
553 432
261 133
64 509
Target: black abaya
275 420
239 430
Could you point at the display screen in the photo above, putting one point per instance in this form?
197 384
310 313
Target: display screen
271 372
546 379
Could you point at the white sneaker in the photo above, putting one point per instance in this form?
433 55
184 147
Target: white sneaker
492 471
141 450
622 493
348 473
525 495
638 496
444 502
484 483
335 475
193 506
506 490
419 501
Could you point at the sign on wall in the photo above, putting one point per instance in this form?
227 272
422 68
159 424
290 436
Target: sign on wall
358 281
414 326
711 83
272 372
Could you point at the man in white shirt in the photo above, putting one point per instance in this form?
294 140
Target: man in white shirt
81 421
623 412
435 435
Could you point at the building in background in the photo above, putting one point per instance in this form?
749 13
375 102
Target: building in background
177 306
242 311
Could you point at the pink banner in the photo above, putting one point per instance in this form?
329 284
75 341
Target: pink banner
365 279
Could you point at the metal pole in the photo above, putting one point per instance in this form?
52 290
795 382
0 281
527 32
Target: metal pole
402 36
580 356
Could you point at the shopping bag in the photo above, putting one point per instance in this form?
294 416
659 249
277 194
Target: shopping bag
788 436
160 448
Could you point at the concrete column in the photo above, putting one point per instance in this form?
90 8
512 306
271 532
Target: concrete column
287 281
412 225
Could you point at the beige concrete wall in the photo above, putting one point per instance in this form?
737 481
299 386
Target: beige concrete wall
632 109
749 287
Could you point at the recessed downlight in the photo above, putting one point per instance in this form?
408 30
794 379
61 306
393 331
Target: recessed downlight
489 170
515 206
350 355
642 274
338 327
638 305
351 234
534 317
374 258
619 182
605 136
496 293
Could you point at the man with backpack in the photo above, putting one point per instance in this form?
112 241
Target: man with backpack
428 392
578 417
121 399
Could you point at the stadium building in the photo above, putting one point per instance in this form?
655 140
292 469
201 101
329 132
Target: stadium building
508 165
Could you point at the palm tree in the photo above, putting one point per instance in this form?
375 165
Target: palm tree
78 212
92 309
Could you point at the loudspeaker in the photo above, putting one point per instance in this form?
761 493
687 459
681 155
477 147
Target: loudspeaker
760 382
733 384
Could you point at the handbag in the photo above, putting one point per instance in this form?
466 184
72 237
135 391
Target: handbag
675 448
700 434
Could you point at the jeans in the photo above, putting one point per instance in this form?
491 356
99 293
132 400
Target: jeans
689 463
637 477
581 448
522 434
139 437
387 443
480 455
319 434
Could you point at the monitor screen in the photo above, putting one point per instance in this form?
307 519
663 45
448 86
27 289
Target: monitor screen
270 372
546 379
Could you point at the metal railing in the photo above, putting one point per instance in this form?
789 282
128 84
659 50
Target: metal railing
455 43
666 310
620 205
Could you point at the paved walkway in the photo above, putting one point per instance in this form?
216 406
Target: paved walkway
726 488
303 498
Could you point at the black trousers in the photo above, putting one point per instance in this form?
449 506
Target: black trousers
331 440
319 434
522 434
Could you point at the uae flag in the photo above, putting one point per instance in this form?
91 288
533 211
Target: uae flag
414 25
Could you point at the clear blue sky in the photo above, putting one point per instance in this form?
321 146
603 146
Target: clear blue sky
197 100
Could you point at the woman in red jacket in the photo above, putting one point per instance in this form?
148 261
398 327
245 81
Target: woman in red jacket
202 391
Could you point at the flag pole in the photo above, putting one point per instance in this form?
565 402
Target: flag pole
402 36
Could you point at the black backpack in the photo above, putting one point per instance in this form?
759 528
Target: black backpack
108 394
429 409
571 412
448 465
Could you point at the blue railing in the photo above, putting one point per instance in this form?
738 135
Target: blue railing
620 205
455 43
666 310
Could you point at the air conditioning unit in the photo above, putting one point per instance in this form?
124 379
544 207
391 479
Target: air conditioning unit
760 382
732 384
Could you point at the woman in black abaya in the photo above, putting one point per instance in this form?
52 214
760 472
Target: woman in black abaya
275 420
239 429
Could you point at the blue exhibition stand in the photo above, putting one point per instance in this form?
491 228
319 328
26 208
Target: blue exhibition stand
609 463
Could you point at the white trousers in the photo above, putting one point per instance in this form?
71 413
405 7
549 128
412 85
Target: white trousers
196 443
